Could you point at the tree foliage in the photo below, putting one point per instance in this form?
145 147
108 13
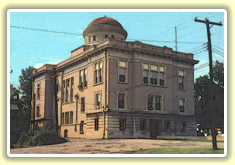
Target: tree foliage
206 92
25 90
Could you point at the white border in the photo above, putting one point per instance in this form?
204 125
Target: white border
116 10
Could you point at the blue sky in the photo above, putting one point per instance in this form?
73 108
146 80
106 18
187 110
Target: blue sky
35 48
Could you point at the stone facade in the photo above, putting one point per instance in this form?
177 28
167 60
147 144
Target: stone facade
111 88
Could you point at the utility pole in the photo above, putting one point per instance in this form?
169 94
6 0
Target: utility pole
176 39
208 23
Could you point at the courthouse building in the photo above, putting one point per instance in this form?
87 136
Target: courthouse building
113 88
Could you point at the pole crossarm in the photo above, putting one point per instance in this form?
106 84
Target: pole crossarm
207 21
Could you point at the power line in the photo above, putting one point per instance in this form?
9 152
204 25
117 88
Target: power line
68 33
44 30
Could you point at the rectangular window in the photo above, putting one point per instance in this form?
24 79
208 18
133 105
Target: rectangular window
150 102
94 38
101 72
98 101
98 72
62 118
167 125
142 124
37 111
63 91
71 117
72 86
38 91
81 77
81 127
158 102
85 79
181 79
83 104
96 124
122 124
153 77
67 90
122 74
181 105
183 127
162 76
66 117
122 71
121 102
145 76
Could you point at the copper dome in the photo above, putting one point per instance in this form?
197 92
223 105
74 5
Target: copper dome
105 21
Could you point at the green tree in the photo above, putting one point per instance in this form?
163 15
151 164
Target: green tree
25 90
204 93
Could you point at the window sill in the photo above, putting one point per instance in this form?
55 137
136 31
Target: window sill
98 84
120 82
153 85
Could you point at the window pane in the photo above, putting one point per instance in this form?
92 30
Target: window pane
121 100
122 72
150 102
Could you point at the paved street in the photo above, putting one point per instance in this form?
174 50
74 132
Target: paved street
110 146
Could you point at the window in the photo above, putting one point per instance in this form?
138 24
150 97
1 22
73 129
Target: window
122 124
98 72
121 102
142 124
63 91
122 71
162 76
81 127
66 117
85 79
71 117
72 86
97 101
158 102
96 124
181 79
81 77
145 73
67 90
183 127
83 104
181 105
150 102
94 38
89 39
153 77
112 36
106 36
167 125
38 91
153 74
154 102
62 118
37 111
145 76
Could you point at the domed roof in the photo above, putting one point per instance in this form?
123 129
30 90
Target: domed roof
105 21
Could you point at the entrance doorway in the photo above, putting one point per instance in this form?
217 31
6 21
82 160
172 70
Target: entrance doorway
154 128
65 133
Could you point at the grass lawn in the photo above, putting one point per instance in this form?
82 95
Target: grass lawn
179 151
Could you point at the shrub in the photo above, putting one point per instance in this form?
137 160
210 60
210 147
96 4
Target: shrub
38 137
